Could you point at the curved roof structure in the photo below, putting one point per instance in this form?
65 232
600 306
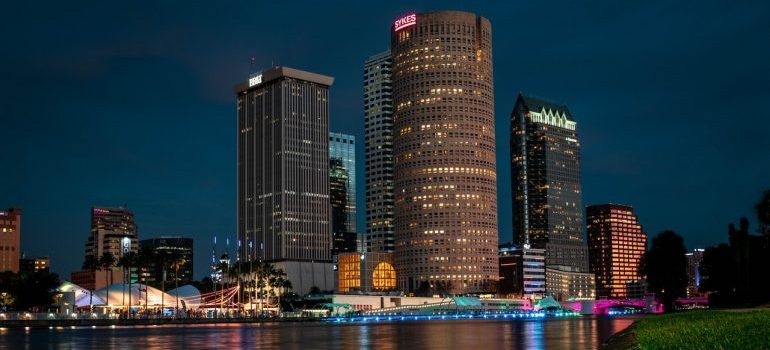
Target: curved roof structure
82 295
120 293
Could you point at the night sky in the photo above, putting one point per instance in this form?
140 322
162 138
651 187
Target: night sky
132 104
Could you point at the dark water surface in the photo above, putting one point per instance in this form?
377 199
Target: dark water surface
551 333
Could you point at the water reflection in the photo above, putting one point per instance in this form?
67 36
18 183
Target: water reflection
562 333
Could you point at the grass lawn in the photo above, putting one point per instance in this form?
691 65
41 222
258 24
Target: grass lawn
704 329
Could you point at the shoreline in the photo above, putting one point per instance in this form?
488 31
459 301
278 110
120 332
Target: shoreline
59 323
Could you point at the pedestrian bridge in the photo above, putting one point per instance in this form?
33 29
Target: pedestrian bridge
603 306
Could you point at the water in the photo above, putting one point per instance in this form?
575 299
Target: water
551 333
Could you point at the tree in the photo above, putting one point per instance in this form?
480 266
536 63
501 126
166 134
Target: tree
718 274
91 263
763 213
665 266
126 261
106 263
144 261
37 290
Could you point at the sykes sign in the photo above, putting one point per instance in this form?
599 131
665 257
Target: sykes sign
406 21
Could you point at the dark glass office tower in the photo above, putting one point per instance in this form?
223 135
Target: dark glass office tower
172 256
545 179
283 174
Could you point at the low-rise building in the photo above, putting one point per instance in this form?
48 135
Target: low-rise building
365 272
564 283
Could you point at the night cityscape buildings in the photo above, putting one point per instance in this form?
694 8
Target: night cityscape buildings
31 265
10 239
283 204
694 259
342 192
172 261
445 181
378 153
545 180
616 244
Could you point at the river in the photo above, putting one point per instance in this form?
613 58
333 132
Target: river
551 333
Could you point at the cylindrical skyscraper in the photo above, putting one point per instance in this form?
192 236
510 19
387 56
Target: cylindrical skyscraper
444 153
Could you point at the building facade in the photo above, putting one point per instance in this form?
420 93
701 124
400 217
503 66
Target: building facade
342 181
366 272
564 285
694 259
545 176
283 174
171 262
378 153
30 265
445 180
616 244
10 239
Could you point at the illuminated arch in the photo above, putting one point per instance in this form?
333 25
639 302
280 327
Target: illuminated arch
384 277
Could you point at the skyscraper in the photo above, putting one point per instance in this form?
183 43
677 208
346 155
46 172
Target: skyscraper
166 252
545 176
10 239
445 181
283 174
342 181
378 152
114 231
616 244
694 259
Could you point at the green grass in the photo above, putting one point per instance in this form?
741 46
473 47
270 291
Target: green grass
704 330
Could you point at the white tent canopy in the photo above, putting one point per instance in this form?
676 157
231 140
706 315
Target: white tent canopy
82 295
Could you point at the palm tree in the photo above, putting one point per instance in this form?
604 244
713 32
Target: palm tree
91 264
107 262
126 261
177 260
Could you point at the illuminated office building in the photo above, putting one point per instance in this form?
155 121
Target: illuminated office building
366 272
342 192
172 257
378 153
283 210
545 176
10 239
694 259
616 244
445 181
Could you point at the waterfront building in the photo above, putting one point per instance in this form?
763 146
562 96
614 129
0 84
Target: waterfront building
378 153
282 157
171 262
365 272
114 231
10 239
30 265
565 284
445 181
616 244
694 260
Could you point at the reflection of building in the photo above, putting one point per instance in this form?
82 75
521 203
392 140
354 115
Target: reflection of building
547 197
10 239
563 284
32 265
616 244
174 255
378 150
342 181
283 210
445 179
694 260
113 231
366 272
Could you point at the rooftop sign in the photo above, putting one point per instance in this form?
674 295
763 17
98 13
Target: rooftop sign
406 21
255 80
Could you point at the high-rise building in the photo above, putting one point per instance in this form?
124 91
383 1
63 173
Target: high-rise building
445 180
378 152
283 174
616 244
545 176
113 231
172 256
31 265
694 260
522 271
342 181
10 239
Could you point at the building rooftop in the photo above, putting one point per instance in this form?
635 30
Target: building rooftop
537 104
277 72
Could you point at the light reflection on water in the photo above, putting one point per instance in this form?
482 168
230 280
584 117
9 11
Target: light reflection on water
552 333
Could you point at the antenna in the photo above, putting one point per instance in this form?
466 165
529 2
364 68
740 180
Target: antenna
253 64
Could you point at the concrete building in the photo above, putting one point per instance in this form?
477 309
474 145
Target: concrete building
616 244
283 174
30 265
378 153
172 257
10 239
564 285
114 231
694 260
366 272
445 180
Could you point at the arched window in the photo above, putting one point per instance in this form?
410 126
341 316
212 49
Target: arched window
384 277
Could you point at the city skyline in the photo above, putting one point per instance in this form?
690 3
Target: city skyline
618 167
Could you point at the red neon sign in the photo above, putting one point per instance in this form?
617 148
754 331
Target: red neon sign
406 21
